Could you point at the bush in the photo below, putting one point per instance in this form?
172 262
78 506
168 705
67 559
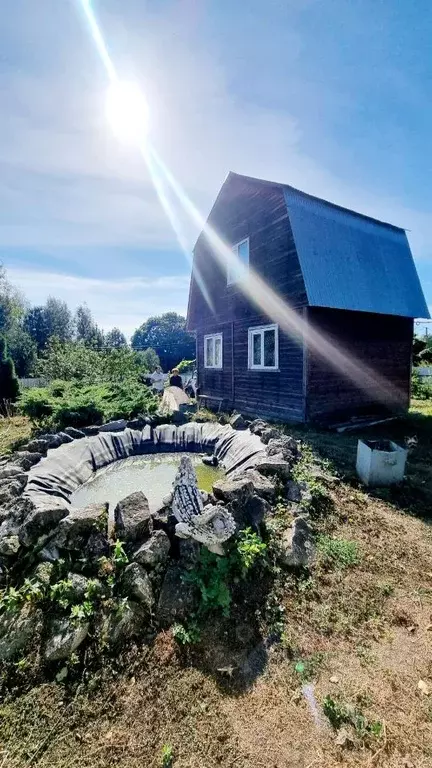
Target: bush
63 403
419 389
186 365
9 387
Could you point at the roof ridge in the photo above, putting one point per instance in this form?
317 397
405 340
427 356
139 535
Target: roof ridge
316 199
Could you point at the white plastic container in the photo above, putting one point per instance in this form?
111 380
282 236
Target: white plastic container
380 462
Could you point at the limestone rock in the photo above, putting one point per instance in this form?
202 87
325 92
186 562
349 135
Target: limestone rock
26 459
295 490
91 431
138 585
82 529
133 519
285 446
43 573
49 553
10 472
9 491
256 509
20 508
177 599
258 426
64 638
54 441
125 623
274 465
65 438
189 551
16 631
231 490
237 422
298 544
155 551
39 523
270 433
9 545
37 446
76 434
118 425
79 586
262 486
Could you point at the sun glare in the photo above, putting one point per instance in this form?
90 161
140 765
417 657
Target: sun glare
127 112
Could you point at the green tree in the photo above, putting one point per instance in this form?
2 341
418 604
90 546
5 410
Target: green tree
9 387
167 335
70 361
36 325
86 329
150 359
115 339
22 349
12 303
59 319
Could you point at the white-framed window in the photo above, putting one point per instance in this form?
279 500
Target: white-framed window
213 351
239 266
263 348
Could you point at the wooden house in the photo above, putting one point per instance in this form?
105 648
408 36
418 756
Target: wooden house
303 310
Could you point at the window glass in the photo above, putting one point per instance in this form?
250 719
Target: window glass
256 360
218 352
270 348
237 269
209 352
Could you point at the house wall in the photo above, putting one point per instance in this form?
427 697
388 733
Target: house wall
245 209
382 342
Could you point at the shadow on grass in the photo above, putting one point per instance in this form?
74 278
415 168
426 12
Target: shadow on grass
414 431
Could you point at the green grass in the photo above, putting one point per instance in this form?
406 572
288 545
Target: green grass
415 430
13 430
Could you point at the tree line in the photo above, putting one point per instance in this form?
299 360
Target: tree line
50 339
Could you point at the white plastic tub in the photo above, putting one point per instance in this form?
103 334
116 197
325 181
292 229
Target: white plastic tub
380 462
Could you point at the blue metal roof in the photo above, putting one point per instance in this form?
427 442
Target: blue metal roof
350 261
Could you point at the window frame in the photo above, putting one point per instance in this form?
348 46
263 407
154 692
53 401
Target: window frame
213 336
259 330
234 248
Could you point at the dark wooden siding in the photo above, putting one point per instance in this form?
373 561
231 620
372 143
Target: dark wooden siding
381 342
246 209
214 382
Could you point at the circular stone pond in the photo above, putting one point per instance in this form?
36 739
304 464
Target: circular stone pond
154 475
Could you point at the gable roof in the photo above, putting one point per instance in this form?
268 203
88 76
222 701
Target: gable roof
349 260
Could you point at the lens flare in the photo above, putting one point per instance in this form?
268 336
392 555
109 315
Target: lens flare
262 295
127 112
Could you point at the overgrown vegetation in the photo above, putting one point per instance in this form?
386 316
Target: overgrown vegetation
339 713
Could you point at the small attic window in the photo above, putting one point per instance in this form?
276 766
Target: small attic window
237 269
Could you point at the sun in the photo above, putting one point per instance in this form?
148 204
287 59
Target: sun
127 112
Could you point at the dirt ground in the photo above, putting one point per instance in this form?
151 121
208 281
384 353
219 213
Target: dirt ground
360 635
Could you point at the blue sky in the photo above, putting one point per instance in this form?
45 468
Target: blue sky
331 96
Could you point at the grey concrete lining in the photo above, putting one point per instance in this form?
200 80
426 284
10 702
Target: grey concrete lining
69 466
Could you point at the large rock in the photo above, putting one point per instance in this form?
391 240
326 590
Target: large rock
298 491
43 573
262 486
119 425
137 585
10 490
127 622
297 543
17 630
75 434
40 522
155 551
270 433
283 445
237 422
84 530
258 426
177 599
78 586
256 509
26 459
230 490
54 441
11 472
91 431
65 438
37 446
133 519
65 637
274 465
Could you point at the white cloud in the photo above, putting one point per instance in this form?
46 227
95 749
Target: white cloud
123 303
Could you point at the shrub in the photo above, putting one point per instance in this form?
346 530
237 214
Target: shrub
77 404
338 553
419 389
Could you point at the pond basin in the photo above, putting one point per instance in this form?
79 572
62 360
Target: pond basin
154 475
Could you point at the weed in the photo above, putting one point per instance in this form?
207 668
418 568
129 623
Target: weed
186 635
340 714
167 756
337 553
60 592
13 599
250 548
386 588
119 556
82 612
308 668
